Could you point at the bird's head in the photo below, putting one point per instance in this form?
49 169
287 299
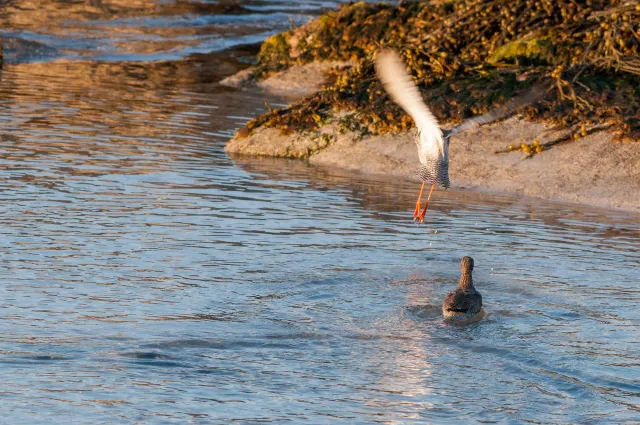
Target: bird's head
466 265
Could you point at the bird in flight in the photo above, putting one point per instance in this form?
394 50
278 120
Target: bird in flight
433 145
432 141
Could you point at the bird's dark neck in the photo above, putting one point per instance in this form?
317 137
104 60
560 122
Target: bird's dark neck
466 281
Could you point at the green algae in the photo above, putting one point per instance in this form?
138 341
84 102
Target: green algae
538 50
274 55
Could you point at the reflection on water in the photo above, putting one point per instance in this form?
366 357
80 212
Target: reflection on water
117 30
147 277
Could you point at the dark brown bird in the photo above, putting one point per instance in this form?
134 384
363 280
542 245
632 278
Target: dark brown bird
465 302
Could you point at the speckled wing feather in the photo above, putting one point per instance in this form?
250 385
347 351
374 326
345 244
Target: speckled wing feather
403 91
464 303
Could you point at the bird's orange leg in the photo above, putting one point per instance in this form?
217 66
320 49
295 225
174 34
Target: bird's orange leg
416 213
424 211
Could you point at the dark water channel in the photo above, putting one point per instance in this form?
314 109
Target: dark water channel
145 277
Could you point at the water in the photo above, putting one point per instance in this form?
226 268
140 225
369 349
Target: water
145 277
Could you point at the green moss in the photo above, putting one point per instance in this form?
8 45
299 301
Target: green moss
274 54
539 50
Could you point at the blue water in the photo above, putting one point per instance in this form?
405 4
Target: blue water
146 277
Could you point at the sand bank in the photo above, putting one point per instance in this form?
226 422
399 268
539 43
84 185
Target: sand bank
593 170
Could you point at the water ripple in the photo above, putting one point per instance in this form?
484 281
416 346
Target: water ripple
148 277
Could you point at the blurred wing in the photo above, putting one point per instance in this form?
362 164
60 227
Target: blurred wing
403 91
535 94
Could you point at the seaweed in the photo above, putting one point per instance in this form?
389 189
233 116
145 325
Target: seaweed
468 57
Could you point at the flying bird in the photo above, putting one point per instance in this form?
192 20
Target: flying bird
432 141
465 302
433 144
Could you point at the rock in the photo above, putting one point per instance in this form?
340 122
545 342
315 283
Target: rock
299 80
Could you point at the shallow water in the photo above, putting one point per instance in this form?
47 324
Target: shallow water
147 277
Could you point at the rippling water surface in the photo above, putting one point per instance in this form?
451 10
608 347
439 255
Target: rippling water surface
145 277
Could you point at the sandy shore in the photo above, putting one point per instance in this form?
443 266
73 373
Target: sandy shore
296 81
593 170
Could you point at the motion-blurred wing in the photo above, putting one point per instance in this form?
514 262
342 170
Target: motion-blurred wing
400 86
535 94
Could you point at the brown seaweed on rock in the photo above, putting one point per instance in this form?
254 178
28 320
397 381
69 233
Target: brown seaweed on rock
468 57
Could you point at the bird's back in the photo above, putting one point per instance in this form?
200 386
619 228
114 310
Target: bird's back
460 304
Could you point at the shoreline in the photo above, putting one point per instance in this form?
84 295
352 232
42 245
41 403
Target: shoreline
578 141
593 170
372 187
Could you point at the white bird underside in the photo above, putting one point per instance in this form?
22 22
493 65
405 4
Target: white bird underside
403 91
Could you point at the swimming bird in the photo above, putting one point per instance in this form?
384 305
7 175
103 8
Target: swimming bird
432 141
465 302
